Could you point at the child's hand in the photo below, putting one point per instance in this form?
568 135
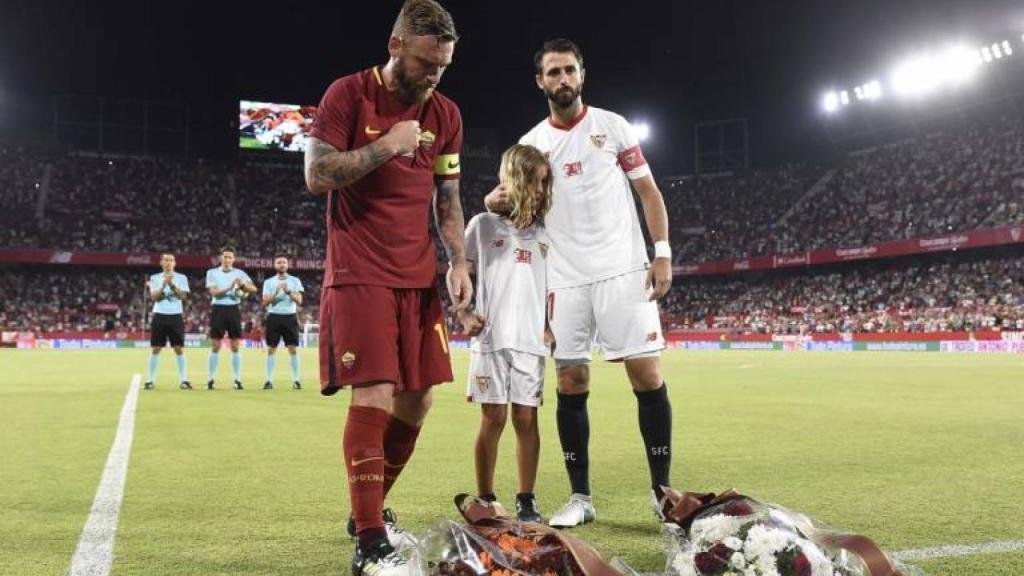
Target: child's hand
498 200
549 337
472 322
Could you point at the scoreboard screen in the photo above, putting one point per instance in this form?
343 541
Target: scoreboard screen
271 126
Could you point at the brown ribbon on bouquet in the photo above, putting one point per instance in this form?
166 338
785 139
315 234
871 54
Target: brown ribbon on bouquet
491 520
683 508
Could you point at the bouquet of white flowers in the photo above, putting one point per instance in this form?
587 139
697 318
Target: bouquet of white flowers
730 534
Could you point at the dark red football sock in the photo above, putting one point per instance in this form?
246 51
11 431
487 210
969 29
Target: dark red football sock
363 446
399 443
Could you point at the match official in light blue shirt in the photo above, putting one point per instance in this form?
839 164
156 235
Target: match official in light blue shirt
228 286
282 295
167 289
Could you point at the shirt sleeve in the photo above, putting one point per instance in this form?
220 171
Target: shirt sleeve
334 116
267 289
245 277
472 234
627 147
210 282
298 285
181 281
447 165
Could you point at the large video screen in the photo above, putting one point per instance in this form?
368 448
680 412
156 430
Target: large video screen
269 126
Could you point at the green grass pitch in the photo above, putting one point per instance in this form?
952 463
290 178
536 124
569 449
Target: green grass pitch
914 450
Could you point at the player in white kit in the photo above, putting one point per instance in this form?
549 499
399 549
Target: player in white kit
508 326
600 282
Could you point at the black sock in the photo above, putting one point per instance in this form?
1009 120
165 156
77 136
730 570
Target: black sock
525 497
489 497
655 414
574 434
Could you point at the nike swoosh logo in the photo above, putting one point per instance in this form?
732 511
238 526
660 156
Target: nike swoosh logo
372 132
365 460
453 165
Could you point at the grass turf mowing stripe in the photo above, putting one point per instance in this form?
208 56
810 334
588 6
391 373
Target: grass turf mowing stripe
95 551
942 552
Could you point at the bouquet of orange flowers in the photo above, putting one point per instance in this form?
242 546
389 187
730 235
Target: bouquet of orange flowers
491 543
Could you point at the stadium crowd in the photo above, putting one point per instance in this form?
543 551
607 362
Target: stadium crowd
957 179
963 177
949 294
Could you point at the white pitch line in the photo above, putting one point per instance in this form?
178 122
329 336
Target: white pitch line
95 552
965 550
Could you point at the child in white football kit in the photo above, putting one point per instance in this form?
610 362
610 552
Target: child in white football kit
508 327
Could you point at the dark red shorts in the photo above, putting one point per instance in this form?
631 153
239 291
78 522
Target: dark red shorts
371 334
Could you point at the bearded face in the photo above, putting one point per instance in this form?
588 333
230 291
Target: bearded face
417 64
561 78
408 89
563 96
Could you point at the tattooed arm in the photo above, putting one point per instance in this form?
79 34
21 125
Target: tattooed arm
451 228
328 168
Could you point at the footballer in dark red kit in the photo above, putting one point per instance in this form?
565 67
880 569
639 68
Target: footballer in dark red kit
384 148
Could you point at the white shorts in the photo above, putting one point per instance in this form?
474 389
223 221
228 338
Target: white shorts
506 376
617 312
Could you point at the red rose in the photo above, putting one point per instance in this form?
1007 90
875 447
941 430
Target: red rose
715 560
801 565
738 508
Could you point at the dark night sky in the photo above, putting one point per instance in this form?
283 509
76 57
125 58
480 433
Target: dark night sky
671 63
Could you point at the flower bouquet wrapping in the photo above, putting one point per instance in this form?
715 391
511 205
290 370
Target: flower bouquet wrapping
491 543
730 534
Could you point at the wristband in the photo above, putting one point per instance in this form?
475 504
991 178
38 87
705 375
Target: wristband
662 249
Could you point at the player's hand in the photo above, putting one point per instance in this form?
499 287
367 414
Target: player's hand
472 322
460 288
659 278
498 201
168 277
404 137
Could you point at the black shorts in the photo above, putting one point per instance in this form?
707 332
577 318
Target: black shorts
226 320
281 327
167 329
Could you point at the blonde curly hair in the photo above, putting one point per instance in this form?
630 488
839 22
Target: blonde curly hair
518 165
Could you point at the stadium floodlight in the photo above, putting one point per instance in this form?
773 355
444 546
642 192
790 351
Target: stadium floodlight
1007 49
873 90
859 92
986 54
642 130
924 74
844 98
915 76
830 102
997 51
957 65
